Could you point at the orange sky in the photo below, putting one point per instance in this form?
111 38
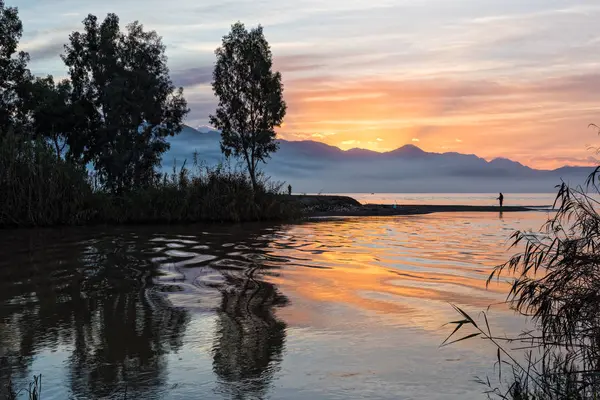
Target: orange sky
541 123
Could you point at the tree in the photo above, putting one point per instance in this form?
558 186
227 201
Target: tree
122 89
13 70
250 97
52 114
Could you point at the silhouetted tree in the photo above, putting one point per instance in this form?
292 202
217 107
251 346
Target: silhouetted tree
250 97
122 86
13 70
52 114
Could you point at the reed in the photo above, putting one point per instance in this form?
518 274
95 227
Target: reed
32 392
39 189
556 284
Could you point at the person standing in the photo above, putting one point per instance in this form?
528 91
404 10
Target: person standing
501 199
290 190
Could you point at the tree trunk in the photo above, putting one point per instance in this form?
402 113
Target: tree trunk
58 149
253 178
251 171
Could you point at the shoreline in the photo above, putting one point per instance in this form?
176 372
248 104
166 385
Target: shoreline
319 206
384 210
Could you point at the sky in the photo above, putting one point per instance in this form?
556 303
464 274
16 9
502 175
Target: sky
497 78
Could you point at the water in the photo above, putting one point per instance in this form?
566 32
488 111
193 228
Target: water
337 309
478 199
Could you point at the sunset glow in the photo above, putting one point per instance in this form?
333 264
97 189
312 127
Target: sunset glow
498 79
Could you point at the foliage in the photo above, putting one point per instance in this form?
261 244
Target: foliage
51 112
13 69
114 113
125 99
37 188
556 283
201 194
250 97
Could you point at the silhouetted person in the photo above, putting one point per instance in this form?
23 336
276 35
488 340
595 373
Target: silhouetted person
501 199
290 190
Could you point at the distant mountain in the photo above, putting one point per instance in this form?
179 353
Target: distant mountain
311 166
408 151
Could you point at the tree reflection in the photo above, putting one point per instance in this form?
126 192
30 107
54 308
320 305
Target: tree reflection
97 298
249 339
94 294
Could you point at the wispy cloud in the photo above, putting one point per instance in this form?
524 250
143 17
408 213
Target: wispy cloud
192 76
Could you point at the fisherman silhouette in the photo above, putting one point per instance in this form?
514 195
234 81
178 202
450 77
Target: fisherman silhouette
501 199
290 190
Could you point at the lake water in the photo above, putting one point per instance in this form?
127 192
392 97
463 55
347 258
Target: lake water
475 199
340 309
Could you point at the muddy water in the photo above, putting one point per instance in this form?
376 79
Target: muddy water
348 308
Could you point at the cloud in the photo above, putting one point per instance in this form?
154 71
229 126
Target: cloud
559 161
379 139
44 50
415 139
199 110
350 142
458 140
192 76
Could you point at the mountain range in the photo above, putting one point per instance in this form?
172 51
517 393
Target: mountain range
313 167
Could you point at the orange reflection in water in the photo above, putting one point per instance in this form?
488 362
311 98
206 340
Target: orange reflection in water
399 266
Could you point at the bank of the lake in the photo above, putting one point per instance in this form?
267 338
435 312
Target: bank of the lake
346 206
217 198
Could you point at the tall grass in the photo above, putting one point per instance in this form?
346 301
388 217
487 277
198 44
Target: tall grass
37 188
32 392
217 194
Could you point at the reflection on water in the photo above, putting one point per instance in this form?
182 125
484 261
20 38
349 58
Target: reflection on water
88 294
335 309
249 340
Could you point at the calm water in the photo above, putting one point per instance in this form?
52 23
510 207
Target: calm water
483 199
324 310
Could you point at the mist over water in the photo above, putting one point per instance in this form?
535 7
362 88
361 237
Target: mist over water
347 308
